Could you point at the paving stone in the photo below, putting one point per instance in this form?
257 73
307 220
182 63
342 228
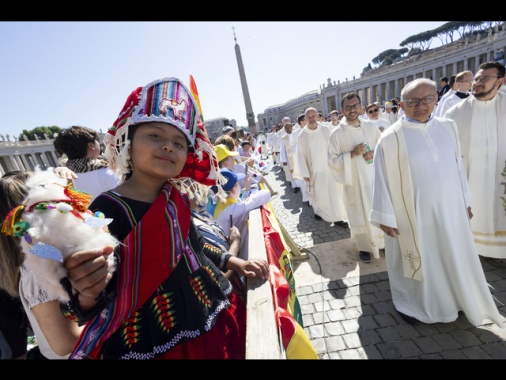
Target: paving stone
354 317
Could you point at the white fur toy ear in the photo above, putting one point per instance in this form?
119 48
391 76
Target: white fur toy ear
55 223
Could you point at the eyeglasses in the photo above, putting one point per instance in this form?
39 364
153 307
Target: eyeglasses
355 107
483 79
415 102
372 111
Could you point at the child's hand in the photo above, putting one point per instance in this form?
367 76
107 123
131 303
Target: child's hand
235 234
88 271
255 268
65 172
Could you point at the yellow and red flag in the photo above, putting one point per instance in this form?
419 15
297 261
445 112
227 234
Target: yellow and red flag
195 93
286 305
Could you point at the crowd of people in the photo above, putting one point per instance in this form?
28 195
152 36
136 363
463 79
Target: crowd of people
401 176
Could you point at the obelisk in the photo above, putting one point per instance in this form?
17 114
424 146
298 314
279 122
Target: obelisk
250 116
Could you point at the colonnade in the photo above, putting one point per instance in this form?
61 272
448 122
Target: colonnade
26 155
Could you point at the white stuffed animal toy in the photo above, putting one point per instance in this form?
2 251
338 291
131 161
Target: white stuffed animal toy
53 223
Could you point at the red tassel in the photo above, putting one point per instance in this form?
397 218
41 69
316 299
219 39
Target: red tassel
80 200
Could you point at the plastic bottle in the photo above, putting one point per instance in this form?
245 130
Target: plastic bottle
367 149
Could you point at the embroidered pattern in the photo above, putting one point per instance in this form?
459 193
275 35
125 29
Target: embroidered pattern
200 292
163 309
131 330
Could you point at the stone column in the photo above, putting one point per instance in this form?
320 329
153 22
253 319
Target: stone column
14 164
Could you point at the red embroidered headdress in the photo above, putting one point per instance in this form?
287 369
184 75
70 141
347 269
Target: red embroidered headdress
169 101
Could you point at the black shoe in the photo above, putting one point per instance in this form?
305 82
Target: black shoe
296 189
365 256
317 217
342 224
407 318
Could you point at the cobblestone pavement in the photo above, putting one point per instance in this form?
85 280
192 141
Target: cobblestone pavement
354 317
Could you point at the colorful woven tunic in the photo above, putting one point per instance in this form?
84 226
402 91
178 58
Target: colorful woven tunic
168 299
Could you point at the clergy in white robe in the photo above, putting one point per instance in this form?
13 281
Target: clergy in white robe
351 169
294 138
273 139
311 164
420 200
451 100
286 154
481 123
462 84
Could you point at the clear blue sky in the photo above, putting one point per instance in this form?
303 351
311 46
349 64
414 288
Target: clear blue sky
80 73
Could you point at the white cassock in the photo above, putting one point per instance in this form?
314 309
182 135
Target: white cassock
439 106
428 204
286 156
299 181
482 135
390 116
450 101
355 175
380 122
311 161
273 139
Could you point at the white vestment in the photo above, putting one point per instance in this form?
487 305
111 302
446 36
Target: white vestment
286 156
450 101
274 141
299 181
389 116
332 126
439 105
380 122
453 278
355 174
311 162
482 134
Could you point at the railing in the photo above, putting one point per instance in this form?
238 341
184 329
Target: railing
262 335
25 142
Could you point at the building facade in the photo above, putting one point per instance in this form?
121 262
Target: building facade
385 83
215 126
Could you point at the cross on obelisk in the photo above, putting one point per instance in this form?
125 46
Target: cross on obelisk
250 116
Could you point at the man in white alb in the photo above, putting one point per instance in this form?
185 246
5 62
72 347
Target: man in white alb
294 138
463 82
421 200
311 164
351 165
481 122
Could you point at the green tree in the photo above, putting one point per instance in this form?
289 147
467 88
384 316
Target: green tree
40 132
447 33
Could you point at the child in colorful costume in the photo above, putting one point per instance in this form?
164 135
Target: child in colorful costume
166 300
